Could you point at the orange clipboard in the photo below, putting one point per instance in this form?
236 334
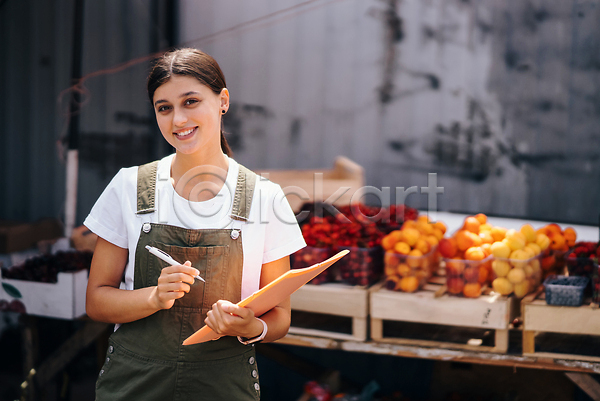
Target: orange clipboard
272 294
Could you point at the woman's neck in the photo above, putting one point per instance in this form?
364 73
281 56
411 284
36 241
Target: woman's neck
190 172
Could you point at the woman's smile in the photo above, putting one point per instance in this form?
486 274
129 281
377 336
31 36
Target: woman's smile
186 133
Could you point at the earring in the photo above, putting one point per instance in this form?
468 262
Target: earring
223 111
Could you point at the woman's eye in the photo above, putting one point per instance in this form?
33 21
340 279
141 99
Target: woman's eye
163 108
190 101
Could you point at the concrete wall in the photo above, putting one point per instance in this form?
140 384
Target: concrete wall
500 98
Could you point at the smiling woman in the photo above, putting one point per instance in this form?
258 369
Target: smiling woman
197 205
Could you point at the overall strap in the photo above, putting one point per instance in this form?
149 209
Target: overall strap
146 188
244 191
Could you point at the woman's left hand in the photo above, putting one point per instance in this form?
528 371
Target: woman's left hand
228 319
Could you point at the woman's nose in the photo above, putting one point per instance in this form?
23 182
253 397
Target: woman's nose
179 117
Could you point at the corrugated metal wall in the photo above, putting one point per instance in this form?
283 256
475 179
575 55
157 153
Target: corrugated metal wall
116 123
500 98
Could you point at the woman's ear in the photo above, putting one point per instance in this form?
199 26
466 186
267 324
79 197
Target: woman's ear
224 98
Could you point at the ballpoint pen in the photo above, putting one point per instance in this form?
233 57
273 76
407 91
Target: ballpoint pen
166 257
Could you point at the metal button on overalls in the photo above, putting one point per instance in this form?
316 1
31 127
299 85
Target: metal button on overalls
148 361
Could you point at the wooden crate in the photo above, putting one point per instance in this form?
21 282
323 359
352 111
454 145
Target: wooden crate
300 186
332 300
488 312
64 299
570 324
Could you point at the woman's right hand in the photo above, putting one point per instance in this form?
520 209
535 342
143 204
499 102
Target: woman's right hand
174 282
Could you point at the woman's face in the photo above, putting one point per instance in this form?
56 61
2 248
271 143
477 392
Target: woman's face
188 114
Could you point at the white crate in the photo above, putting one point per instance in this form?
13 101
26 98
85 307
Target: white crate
64 299
333 299
486 312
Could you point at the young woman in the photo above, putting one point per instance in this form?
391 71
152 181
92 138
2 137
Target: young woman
223 223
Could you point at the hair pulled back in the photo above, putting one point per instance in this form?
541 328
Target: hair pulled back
192 63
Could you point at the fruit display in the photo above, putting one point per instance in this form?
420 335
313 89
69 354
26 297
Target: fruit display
45 268
582 260
409 273
411 256
359 228
362 266
516 267
309 256
559 242
467 256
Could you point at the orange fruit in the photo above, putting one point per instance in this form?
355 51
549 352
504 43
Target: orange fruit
411 235
414 258
482 218
486 237
454 267
474 253
432 239
388 242
404 270
455 285
447 247
472 290
529 233
396 235
409 284
557 241
439 234
553 228
487 249
570 236
440 226
402 248
464 240
423 246
543 241
472 224
498 233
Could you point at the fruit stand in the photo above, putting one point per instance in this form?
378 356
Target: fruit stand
491 328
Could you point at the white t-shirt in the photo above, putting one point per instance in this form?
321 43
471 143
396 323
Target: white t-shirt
270 234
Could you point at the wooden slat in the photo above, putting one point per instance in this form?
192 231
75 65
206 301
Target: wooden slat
587 383
435 353
538 316
332 298
488 312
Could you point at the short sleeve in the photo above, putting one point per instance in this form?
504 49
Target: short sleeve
106 217
282 235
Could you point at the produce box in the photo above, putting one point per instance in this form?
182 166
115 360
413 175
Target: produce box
51 285
64 299
19 236
582 260
301 186
516 276
409 273
467 277
362 266
565 290
309 256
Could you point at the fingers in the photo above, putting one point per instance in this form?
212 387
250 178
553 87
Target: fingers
226 318
174 282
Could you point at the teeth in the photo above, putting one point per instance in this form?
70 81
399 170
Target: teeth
184 133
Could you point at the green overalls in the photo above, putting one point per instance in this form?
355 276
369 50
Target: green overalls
146 359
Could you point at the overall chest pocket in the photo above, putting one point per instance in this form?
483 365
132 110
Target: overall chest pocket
222 278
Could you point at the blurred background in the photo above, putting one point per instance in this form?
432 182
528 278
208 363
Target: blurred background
500 98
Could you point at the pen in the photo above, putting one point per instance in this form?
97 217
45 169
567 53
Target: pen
166 257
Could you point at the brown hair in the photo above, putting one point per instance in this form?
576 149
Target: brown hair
192 63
